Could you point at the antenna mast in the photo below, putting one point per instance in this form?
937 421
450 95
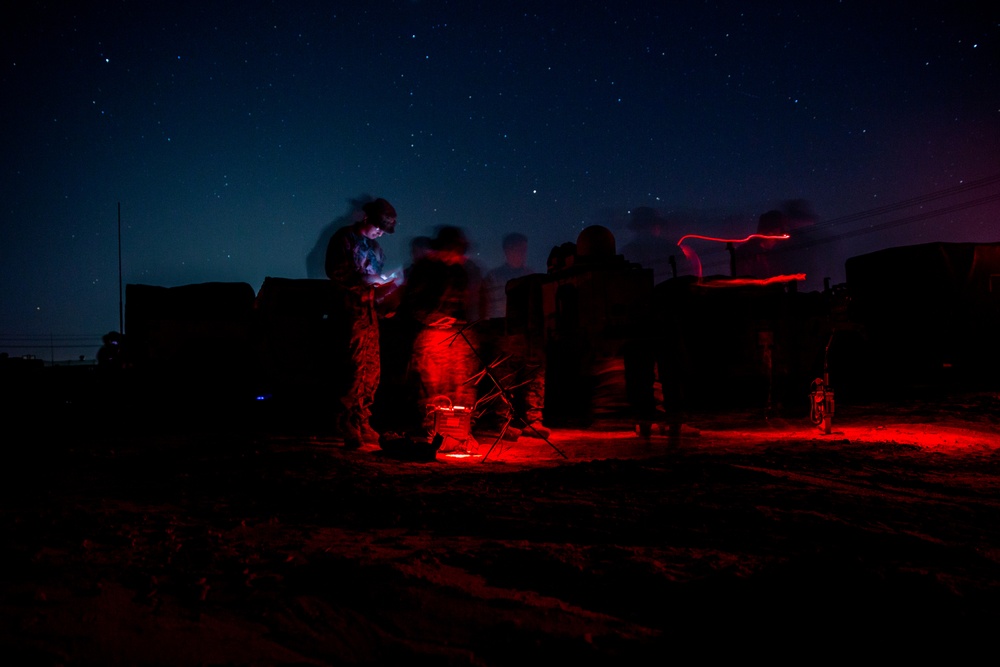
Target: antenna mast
121 318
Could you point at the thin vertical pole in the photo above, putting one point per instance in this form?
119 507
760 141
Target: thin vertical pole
121 316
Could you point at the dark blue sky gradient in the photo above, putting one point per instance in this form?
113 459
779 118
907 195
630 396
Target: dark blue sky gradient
235 135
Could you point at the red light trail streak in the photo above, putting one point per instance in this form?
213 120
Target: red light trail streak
774 237
693 258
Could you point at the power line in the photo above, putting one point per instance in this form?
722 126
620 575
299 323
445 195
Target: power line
798 242
814 235
913 201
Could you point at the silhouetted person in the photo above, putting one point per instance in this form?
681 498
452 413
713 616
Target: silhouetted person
355 261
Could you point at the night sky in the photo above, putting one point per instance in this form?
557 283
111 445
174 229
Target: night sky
236 135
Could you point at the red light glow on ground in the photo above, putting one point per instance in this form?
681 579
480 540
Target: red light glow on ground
720 434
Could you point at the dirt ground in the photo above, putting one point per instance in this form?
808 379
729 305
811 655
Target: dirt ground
167 544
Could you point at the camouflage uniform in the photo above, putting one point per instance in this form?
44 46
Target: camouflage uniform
351 261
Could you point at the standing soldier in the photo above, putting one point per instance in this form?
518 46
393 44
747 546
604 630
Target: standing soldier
354 261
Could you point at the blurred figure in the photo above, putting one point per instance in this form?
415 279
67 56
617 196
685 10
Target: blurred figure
435 305
494 286
802 228
420 246
774 258
354 262
650 247
514 407
756 257
474 304
111 355
521 343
